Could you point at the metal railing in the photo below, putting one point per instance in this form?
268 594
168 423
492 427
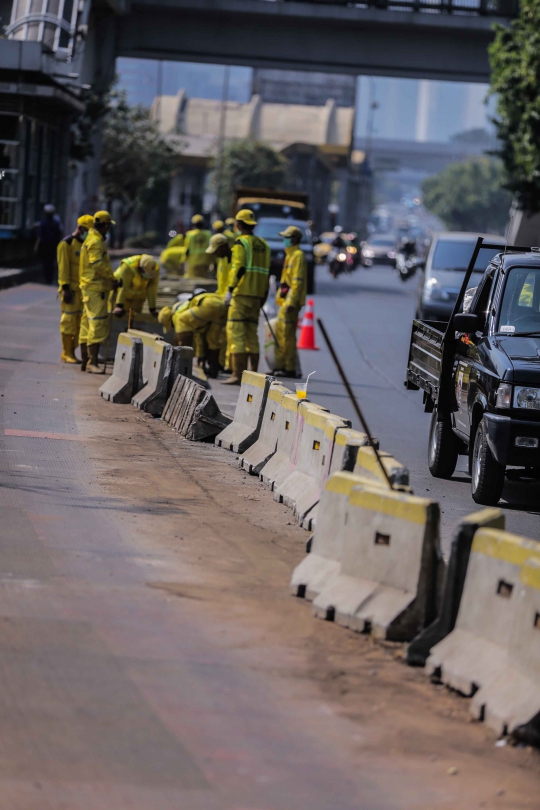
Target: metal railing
489 8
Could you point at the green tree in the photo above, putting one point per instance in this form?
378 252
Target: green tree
515 79
136 163
469 196
247 163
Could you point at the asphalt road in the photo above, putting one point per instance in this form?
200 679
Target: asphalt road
368 316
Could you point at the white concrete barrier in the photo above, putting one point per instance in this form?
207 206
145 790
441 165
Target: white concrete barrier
367 465
245 428
386 582
163 362
472 656
280 466
148 341
311 457
256 456
125 380
193 411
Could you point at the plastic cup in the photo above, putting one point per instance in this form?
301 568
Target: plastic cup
301 390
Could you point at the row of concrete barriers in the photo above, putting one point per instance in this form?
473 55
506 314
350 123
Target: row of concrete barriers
374 562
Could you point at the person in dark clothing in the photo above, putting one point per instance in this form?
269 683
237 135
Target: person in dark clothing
49 236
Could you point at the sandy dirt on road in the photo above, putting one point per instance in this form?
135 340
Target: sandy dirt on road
226 548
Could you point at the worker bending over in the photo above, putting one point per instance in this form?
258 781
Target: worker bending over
97 280
69 288
176 241
139 279
204 315
291 297
221 250
248 289
196 242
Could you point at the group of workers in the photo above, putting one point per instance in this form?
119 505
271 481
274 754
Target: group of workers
222 326
190 251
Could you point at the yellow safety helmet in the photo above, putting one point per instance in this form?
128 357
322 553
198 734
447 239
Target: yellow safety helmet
149 265
292 230
103 216
165 319
197 219
215 241
218 225
229 221
86 221
246 216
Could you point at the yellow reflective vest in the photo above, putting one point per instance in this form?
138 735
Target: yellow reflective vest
135 289
68 254
176 241
250 267
294 274
202 309
96 270
222 273
196 242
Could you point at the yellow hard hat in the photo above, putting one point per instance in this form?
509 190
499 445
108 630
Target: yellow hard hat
103 216
246 216
229 221
165 318
215 241
86 221
149 264
197 219
218 225
292 230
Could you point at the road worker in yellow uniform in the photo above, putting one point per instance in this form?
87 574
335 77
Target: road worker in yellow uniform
203 315
248 289
219 247
196 242
218 226
176 240
97 280
172 260
139 277
229 230
290 298
69 289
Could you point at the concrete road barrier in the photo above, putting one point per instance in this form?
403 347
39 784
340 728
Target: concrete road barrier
451 581
322 564
472 656
143 323
289 427
388 570
193 411
165 361
264 448
148 341
125 380
245 428
311 457
367 465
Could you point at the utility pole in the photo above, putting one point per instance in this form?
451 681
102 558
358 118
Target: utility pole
221 136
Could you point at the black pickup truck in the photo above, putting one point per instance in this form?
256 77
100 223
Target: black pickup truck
480 374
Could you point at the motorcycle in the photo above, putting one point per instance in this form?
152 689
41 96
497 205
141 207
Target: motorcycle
340 261
406 266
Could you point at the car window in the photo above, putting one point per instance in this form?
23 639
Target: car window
520 306
269 229
382 242
451 254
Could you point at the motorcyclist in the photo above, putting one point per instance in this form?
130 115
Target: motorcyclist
338 241
408 247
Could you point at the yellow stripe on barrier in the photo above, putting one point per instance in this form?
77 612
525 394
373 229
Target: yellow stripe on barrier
346 436
530 573
125 339
254 378
148 338
277 394
289 402
367 459
404 507
314 415
333 423
505 546
342 483
490 517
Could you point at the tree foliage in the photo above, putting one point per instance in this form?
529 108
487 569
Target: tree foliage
515 79
83 128
469 196
248 163
137 163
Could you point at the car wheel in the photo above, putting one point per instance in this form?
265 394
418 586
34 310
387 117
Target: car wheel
443 448
487 475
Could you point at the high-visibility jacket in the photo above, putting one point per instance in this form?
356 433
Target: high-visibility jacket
176 241
202 309
96 270
250 267
294 275
68 254
222 273
135 289
196 242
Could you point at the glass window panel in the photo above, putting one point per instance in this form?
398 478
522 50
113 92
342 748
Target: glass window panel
33 31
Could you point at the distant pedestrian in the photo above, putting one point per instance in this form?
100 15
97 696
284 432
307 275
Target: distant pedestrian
49 235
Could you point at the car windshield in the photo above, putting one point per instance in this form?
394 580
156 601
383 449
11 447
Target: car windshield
381 242
270 228
451 254
520 307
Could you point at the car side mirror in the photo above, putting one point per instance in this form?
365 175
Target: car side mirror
466 322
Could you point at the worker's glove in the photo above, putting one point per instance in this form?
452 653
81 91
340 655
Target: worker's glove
67 295
283 290
227 298
118 311
153 312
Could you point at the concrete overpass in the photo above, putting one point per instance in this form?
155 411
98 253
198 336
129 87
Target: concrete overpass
329 36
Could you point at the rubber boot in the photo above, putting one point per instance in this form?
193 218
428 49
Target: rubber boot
253 362
213 363
92 367
84 356
239 365
67 355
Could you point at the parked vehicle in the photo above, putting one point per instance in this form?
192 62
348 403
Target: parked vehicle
267 202
379 249
269 228
446 262
481 373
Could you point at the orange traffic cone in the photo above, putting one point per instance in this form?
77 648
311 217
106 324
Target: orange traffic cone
307 333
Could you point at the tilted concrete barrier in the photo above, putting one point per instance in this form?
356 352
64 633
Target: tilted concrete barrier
311 457
451 582
165 360
264 448
322 563
245 428
388 570
510 702
474 653
148 342
193 411
125 380
367 465
280 466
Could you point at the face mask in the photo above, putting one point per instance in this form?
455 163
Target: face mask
143 273
287 241
83 235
